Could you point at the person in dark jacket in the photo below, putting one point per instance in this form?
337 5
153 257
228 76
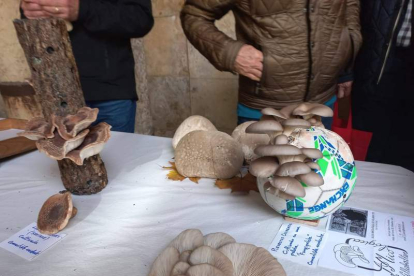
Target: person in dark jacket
100 38
383 93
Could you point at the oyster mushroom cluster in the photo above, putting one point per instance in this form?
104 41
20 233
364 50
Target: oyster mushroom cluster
217 254
203 151
70 137
288 168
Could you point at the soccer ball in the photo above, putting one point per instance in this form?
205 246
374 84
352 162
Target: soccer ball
337 167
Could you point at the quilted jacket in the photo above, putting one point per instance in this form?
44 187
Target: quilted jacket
306 45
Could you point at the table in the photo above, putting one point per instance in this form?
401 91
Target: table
121 230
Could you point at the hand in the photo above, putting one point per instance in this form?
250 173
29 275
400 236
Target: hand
249 62
65 9
33 10
344 89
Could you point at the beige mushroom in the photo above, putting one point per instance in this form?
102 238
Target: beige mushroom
249 141
38 128
56 213
271 128
217 240
190 124
165 262
264 167
69 126
180 268
239 255
292 169
188 240
204 270
185 255
208 255
281 140
288 185
57 147
210 154
93 144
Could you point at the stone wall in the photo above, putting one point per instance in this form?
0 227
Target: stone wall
181 82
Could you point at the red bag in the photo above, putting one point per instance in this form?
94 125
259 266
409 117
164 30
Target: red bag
357 140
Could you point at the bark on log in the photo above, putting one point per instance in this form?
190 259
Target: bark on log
56 81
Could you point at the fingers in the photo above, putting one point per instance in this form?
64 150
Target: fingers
56 11
341 92
348 90
36 14
30 6
53 3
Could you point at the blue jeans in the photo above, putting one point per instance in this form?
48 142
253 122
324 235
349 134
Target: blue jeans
120 114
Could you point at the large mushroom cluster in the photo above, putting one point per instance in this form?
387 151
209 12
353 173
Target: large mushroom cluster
70 137
287 167
217 254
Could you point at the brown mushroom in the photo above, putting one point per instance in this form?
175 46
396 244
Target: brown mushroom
190 124
292 169
93 144
264 167
56 213
291 124
287 110
271 128
281 140
309 110
69 126
57 148
288 185
276 114
38 128
311 179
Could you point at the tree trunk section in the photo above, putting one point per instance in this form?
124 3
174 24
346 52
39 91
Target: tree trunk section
55 79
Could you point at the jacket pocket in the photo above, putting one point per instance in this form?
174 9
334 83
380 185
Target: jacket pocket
269 7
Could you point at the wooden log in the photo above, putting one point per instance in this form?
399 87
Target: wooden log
55 79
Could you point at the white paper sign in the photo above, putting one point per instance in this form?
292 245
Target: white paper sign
298 243
369 243
30 243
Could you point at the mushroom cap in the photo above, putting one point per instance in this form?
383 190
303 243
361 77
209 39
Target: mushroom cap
288 185
281 140
57 148
314 109
55 213
185 255
264 167
313 165
249 141
217 240
277 150
189 239
93 144
311 179
292 169
287 110
38 128
208 255
239 255
69 126
180 268
165 262
298 123
273 112
190 124
312 153
204 270
264 127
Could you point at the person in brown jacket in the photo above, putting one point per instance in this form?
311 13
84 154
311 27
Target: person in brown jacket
286 52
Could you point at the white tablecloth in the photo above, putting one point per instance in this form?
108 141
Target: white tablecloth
121 230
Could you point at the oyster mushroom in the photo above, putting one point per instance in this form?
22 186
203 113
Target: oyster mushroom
276 114
57 147
204 270
185 255
217 240
165 262
290 125
313 112
292 169
69 126
311 179
188 240
38 128
208 255
271 128
190 124
287 110
180 268
249 141
264 167
56 213
93 144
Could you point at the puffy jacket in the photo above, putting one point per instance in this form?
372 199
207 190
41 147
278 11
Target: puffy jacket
306 45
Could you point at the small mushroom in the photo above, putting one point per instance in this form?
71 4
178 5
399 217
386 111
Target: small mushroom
204 270
292 169
188 240
276 114
239 255
271 128
190 124
309 110
38 128
284 153
185 255
69 126
249 141
281 140
288 185
57 147
165 262
56 213
217 240
313 165
287 110
208 255
312 153
93 144
311 179
291 124
180 268
264 167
